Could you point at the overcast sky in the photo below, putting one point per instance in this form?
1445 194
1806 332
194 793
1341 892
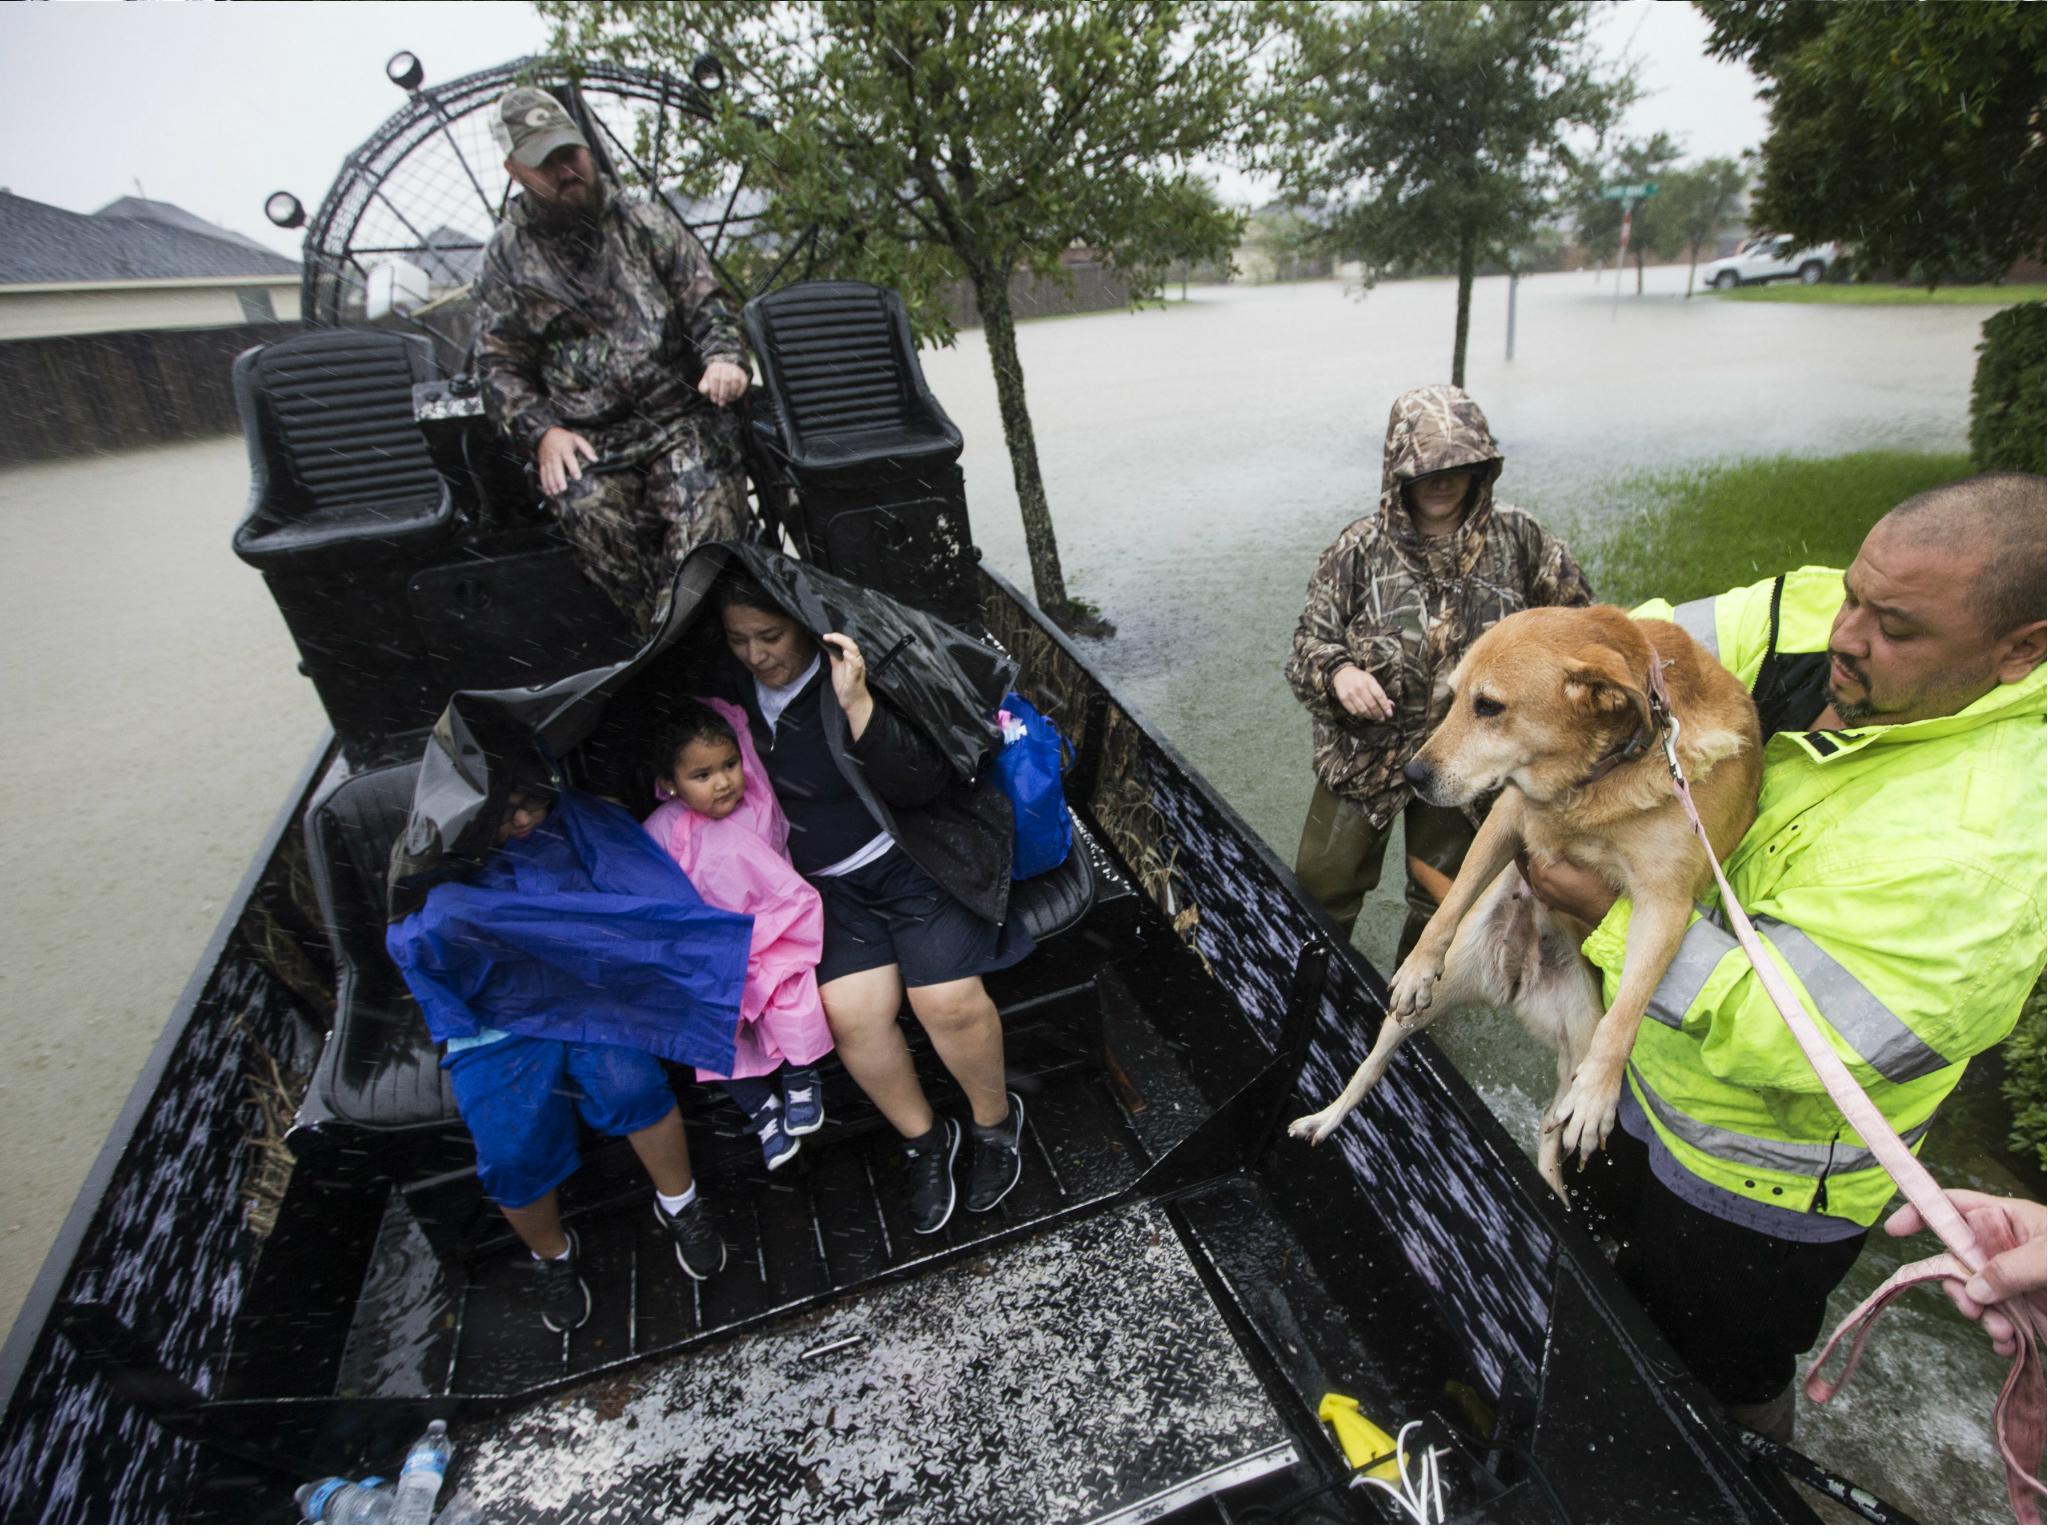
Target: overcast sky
213 107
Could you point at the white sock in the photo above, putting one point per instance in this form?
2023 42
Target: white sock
551 1258
675 1205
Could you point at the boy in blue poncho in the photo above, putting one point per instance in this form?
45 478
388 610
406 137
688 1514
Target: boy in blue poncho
553 978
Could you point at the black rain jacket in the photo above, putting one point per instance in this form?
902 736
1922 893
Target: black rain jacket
919 769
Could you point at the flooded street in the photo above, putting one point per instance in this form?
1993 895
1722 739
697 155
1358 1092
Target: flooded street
1198 459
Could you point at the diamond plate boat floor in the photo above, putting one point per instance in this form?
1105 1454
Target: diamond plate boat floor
1082 1374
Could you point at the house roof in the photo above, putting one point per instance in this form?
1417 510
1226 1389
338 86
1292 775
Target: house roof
42 244
171 213
450 255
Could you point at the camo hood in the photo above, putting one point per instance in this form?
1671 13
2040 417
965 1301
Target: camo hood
1435 428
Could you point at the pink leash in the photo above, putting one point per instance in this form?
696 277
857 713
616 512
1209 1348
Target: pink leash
2018 1418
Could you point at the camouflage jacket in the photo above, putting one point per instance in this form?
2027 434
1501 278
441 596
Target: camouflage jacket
1406 608
612 346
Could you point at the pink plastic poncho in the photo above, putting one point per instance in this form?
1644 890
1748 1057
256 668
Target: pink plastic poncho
741 862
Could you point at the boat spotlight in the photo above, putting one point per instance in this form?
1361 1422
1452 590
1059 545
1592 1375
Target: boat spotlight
405 71
284 210
707 73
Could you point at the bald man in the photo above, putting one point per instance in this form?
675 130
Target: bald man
1895 869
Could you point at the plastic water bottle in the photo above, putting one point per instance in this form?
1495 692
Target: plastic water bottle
462 1509
419 1484
337 1501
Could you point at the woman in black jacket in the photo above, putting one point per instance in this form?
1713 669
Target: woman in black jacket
914 868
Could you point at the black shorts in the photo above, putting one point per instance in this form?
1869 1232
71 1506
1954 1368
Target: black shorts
891 912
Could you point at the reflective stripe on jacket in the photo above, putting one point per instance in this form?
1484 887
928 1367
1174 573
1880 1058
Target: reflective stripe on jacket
1896 872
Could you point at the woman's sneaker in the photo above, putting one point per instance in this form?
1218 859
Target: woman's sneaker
777 1146
928 1159
563 1298
803 1100
998 1159
699 1248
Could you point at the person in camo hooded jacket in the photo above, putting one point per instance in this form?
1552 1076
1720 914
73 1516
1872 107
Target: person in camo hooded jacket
1393 606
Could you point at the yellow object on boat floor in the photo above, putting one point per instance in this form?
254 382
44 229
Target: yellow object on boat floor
1366 1446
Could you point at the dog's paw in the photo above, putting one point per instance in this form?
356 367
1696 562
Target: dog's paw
1313 1128
1584 1115
1413 987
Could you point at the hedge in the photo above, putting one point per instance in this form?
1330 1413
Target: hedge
2008 410
2024 1064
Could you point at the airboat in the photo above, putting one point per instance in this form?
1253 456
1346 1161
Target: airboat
281 1266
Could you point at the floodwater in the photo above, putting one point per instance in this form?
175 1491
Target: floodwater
1198 458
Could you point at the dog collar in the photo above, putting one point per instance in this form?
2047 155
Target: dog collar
1639 742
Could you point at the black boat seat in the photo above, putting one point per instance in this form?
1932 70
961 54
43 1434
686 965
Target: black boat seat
862 462
339 473
839 362
379 1070
1055 901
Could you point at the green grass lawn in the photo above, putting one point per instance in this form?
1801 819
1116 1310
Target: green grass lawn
1718 526
1884 293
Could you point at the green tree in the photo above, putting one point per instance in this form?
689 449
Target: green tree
1598 220
1914 131
1698 202
928 142
1281 240
1440 133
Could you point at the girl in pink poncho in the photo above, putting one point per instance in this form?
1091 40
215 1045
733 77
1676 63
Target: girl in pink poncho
720 821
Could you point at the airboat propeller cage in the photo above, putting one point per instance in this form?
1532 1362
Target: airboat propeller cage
429 185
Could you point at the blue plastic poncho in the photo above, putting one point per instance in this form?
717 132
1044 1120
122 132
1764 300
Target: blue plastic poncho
582 930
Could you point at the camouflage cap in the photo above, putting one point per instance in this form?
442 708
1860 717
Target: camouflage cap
530 125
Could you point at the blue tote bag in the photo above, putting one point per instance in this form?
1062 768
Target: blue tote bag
1028 767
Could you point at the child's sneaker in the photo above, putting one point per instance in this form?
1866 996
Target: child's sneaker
803 1100
563 1298
998 1159
777 1146
699 1248
929 1159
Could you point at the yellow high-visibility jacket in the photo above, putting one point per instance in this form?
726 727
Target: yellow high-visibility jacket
1897 874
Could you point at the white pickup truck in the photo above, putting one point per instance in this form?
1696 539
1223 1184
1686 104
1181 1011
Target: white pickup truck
1765 257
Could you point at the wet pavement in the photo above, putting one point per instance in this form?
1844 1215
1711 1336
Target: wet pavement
1198 459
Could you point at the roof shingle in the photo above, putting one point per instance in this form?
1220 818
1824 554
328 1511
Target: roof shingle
42 244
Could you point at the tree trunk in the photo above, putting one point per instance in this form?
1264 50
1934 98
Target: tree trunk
1690 270
1467 253
1048 585
1639 271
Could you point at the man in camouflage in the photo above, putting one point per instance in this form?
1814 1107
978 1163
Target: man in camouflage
1392 607
595 316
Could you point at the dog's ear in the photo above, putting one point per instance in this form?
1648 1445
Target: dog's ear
1599 680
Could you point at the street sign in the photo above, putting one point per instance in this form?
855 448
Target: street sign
1633 192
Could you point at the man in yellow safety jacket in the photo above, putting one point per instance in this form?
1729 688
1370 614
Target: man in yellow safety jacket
1895 870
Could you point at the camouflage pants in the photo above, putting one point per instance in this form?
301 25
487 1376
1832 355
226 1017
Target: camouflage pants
1341 854
631 526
